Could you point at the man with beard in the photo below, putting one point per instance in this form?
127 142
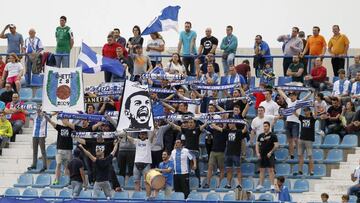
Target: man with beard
138 110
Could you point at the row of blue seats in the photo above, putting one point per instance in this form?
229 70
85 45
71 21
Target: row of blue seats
26 94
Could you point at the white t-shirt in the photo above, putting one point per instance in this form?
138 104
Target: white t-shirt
257 123
181 159
320 105
40 125
292 118
155 43
13 69
175 69
271 107
142 151
357 174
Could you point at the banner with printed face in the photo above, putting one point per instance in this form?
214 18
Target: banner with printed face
63 89
136 112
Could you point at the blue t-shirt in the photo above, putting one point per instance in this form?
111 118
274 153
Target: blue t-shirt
2 105
185 38
158 108
168 176
265 47
284 195
14 42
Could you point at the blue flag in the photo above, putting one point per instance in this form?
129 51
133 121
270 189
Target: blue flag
91 62
168 19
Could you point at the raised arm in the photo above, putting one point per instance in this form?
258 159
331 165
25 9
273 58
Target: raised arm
282 93
2 34
203 126
174 126
115 147
216 127
50 121
80 140
308 95
87 153
245 110
166 105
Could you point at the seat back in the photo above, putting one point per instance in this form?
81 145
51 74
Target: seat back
65 193
85 194
248 169
195 196
331 139
266 197
194 183
318 154
12 192
121 195
335 155
320 170
229 197
212 196
301 184
350 140
247 184
30 192
43 179
177 196
282 169
26 179
281 154
48 193
139 195
282 139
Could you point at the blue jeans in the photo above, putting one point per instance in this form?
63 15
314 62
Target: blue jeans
229 61
62 60
76 187
354 190
28 70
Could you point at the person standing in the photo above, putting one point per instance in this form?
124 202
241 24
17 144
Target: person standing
208 45
119 39
265 147
103 166
155 46
181 157
262 54
14 39
187 44
109 50
316 45
76 173
355 177
135 41
292 46
39 137
338 47
32 48
166 167
64 43
228 45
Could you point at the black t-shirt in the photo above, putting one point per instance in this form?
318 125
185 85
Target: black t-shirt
74 169
233 145
6 96
103 168
219 140
64 139
266 143
107 146
333 112
307 128
207 43
82 129
191 138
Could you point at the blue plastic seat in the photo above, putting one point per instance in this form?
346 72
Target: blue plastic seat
139 195
195 196
160 196
248 169
247 184
334 156
63 182
121 180
279 126
26 94
38 95
281 154
51 151
194 183
318 155
331 141
252 112
266 197
212 186
52 166
121 195
335 78
300 185
37 79
283 80
282 139
177 196
252 82
349 141
319 170
282 169
130 185
65 193
25 180
305 169
317 142
12 192
39 166
101 195
31 192
213 196
229 197
326 93
42 180
85 194
48 193
352 199
250 155
223 183
287 183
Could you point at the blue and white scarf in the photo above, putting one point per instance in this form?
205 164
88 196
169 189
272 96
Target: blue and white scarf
89 117
155 76
299 104
214 87
161 90
88 135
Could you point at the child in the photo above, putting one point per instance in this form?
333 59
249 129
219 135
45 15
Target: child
324 197
267 75
13 71
282 190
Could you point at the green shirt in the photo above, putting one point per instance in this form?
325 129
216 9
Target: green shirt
295 68
63 37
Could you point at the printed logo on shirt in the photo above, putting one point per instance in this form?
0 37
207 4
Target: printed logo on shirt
64 132
306 123
231 137
100 148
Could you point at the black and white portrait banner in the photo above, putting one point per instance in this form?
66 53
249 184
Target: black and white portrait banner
136 112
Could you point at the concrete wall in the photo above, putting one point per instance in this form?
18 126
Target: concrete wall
93 79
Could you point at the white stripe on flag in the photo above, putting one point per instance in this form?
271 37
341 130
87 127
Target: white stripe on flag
169 24
85 58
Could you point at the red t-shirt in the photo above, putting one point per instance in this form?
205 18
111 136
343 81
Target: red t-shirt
2 67
242 69
318 74
16 116
109 50
259 98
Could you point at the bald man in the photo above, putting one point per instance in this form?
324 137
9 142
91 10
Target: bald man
208 44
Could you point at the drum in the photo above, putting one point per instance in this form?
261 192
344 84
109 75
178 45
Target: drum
155 179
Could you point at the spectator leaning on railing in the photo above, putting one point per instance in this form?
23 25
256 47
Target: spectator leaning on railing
338 47
228 45
187 43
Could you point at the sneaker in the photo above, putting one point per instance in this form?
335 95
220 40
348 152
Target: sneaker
311 173
56 182
322 133
259 187
227 186
206 186
42 170
272 188
31 168
292 157
300 173
239 187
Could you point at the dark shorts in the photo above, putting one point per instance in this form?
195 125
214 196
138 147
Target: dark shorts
292 129
232 161
266 162
202 59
